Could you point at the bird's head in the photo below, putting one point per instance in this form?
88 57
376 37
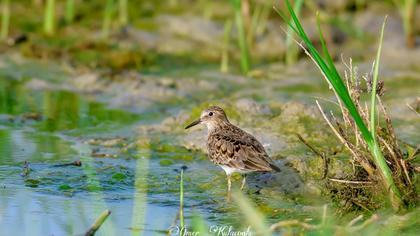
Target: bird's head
212 117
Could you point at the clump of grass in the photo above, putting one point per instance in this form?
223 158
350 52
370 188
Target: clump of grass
242 40
5 19
362 194
366 146
49 18
407 9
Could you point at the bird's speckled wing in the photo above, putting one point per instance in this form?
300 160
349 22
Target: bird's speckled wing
237 149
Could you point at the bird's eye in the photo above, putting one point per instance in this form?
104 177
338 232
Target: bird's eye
210 113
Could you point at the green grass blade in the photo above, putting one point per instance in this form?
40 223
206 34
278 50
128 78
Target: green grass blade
181 200
49 17
292 50
107 18
69 11
325 49
340 88
242 42
198 224
375 82
330 72
254 217
285 19
5 19
224 64
123 12
377 154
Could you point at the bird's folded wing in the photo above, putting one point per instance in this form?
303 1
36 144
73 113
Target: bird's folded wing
244 153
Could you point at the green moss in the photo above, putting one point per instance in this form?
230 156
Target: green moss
64 187
146 25
93 187
143 143
119 176
33 183
258 97
184 157
167 148
166 162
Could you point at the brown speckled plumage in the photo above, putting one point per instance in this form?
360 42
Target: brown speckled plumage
230 146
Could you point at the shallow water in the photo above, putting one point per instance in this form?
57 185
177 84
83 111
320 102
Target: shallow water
139 184
50 128
46 128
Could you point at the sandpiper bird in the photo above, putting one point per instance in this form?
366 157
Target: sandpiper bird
232 148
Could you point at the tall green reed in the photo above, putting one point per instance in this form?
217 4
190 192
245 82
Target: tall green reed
107 18
69 14
263 19
181 200
374 85
259 21
329 71
123 12
255 20
5 19
407 10
292 49
224 64
49 18
242 41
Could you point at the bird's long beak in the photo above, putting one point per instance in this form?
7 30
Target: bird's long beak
196 122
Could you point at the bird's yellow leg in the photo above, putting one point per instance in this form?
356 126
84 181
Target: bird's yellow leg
243 181
229 187
229 183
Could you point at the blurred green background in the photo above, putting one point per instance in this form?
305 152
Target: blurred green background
113 83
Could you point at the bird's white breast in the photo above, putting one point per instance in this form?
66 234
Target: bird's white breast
230 170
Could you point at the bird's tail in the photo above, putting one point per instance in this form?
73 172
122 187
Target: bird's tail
274 167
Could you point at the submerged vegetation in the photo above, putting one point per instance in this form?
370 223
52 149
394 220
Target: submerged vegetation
93 105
